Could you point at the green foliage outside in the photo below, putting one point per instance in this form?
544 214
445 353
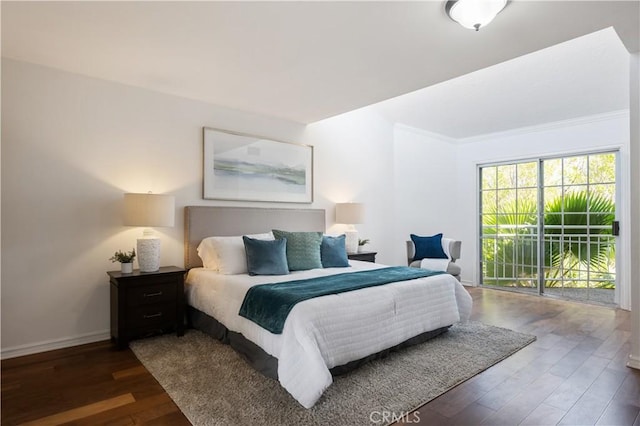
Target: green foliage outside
585 244
577 223
510 245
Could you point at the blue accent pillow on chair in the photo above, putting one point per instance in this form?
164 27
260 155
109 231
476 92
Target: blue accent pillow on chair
428 247
266 257
334 252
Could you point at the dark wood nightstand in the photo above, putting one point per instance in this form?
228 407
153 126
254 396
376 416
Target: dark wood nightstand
146 303
365 256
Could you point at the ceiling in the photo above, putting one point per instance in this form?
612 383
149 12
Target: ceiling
302 61
583 77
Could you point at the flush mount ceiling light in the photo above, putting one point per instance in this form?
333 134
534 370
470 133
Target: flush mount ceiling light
474 14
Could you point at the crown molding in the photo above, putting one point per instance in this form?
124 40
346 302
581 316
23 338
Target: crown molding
580 121
422 132
589 119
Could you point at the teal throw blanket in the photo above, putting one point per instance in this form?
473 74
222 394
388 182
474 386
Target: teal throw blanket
268 305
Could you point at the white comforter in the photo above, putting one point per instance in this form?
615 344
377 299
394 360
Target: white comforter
328 331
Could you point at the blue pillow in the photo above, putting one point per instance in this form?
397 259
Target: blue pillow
266 257
333 252
428 247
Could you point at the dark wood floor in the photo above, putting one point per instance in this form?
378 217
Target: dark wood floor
87 385
573 374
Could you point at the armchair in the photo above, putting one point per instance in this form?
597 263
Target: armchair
454 253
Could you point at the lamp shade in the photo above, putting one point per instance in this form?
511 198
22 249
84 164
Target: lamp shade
349 213
149 210
474 14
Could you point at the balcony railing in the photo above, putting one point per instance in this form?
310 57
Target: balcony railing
576 260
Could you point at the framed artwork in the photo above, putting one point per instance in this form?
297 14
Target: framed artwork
251 168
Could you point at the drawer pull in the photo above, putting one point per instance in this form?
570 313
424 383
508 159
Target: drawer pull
159 293
159 314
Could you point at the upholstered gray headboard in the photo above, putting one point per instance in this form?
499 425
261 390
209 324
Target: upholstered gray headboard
208 221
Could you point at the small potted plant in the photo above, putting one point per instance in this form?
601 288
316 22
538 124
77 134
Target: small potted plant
361 244
125 259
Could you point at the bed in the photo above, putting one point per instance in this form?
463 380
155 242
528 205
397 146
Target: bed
323 336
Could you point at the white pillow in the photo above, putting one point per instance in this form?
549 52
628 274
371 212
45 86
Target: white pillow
226 254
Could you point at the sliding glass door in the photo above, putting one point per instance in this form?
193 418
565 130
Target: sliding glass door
546 226
509 231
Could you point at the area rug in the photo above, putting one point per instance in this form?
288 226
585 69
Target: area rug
213 385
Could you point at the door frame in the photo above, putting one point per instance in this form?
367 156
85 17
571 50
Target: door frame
622 296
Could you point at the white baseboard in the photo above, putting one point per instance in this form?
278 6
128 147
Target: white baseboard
468 283
633 362
50 345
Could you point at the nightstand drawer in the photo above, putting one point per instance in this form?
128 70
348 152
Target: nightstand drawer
145 303
149 315
158 293
367 256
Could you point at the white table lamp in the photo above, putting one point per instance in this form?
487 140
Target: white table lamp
149 210
350 214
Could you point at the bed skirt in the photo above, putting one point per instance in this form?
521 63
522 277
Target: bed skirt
267 364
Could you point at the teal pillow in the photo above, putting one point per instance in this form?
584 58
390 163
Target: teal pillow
266 257
333 252
428 247
303 249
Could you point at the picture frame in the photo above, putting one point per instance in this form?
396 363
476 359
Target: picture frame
245 167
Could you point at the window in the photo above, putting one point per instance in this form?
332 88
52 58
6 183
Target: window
546 226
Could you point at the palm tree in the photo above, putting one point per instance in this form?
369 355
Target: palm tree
510 249
585 220
585 240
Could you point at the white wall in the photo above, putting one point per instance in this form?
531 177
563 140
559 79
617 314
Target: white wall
634 109
72 145
425 182
576 136
354 158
